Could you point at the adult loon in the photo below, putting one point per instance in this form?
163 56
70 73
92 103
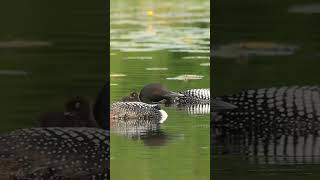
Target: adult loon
136 113
141 110
55 153
158 93
282 123
195 96
65 152
152 93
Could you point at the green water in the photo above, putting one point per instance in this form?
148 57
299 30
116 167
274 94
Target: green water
59 52
264 21
172 39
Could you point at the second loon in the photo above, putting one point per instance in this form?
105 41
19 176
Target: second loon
279 124
157 93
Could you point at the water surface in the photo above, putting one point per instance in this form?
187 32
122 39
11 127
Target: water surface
150 42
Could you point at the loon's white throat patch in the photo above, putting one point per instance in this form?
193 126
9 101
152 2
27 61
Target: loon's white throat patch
164 116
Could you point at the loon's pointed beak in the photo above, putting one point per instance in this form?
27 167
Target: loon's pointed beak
221 105
171 94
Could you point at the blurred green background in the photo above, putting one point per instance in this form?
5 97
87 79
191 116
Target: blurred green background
50 51
270 26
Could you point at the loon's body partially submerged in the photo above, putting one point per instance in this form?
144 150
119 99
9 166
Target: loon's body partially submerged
135 113
197 101
194 101
282 121
195 96
63 147
287 109
55 153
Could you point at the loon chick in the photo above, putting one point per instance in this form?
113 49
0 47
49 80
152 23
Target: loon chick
77 113
55 153
136 113
133 97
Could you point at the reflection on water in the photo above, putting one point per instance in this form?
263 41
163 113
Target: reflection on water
195 108
136 131
152 41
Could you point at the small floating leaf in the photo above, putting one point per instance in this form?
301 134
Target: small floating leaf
205 64
24 44
118 75
196 57
13 72
186 77
138 58
305 9
156 69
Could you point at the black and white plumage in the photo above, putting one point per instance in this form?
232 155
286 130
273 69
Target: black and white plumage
193 101
55 153
282 122
184 100
201 94
194 109
136 113
195 96
199 101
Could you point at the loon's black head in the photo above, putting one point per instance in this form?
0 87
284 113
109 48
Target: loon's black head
218 105
151 93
